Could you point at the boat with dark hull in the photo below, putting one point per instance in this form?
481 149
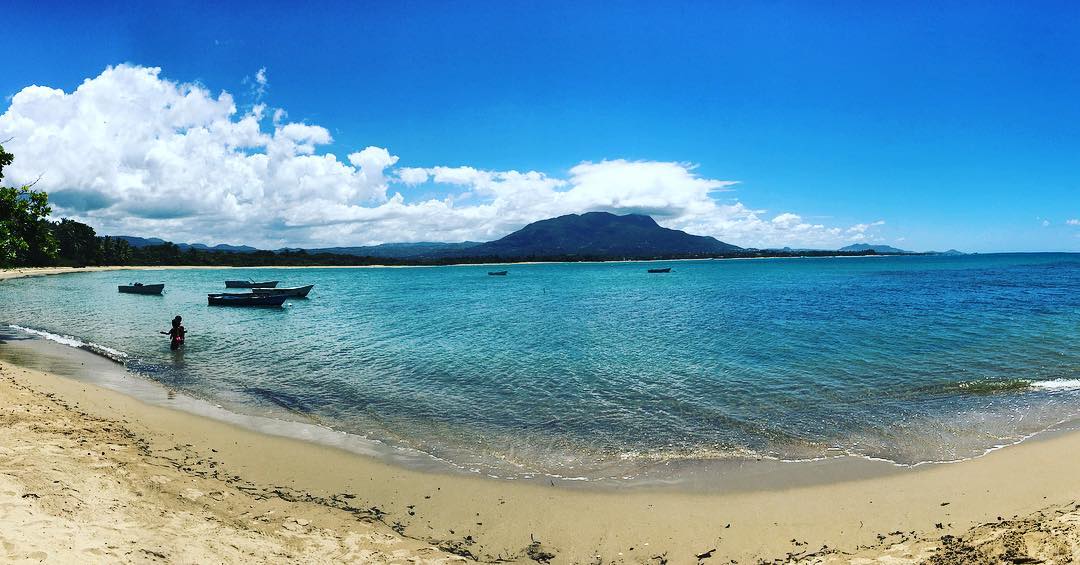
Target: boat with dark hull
664 270
140 288
296 291
226 299
250 284
497 273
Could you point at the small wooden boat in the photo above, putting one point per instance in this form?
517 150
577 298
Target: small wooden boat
664 270
250 284
297 291
140 288
497 273
225 299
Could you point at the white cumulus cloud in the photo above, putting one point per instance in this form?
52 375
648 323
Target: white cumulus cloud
858 230
131 152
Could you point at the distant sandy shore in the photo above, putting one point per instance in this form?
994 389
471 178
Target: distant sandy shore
6 274
91 475
42 271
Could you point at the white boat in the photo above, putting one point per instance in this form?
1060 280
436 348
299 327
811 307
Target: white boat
297 291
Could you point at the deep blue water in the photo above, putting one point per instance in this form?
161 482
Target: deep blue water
604 370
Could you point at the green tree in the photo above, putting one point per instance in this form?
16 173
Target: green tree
167 253
78 243
5 160
114 251
26 237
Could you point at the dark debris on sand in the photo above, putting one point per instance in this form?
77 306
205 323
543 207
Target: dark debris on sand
537 553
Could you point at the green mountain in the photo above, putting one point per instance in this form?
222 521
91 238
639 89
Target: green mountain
597 234
140 242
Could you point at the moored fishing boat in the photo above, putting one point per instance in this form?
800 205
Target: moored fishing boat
497 273
664 270
296 291
140 288
225 299
250 284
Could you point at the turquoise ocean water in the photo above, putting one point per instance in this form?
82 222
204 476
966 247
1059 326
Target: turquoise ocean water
605 371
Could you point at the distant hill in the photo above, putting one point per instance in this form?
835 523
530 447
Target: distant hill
139 242
221 247
859 247
399 250
593 235
799 249
597 234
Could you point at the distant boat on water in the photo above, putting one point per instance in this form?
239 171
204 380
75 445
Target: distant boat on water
225 299
140 288
664 270
250 284
296 291
497 273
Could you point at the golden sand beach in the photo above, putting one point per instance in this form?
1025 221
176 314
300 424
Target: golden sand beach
88 474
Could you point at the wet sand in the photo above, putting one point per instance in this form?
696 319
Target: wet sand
112 475
89 474
79 488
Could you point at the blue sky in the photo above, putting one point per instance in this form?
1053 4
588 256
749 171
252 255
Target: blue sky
954 125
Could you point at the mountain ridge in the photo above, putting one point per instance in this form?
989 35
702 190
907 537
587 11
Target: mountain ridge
877 248
592 234
138 242
597 234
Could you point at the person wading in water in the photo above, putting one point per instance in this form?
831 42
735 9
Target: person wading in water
176 333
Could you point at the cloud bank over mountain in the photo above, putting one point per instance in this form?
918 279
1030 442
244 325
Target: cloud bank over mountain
132 152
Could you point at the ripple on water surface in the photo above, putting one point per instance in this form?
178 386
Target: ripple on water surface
601 370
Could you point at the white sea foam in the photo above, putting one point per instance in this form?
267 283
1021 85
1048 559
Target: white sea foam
114 354
1057 384
66 340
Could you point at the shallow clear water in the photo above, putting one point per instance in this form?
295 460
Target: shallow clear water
603 370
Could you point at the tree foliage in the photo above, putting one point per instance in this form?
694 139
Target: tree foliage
26 236
5 160
112 251
79 245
